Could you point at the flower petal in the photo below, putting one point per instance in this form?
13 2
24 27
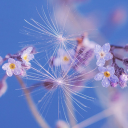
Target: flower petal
100 62
97 48
30 56
5 66
9 72
111 70
28 50
98 76
18 64
108 56
105 82
10 60
106 47
57 62
98 56
61 52
17 71
102 69
114 79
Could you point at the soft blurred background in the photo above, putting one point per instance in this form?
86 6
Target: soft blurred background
104 20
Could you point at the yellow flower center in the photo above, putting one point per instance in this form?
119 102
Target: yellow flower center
102 54
12 66
66 58
26 58
107 74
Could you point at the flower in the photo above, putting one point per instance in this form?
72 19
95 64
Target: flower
120 73
123 80
83 57
102 54
125 62
64 58
27 55
107 76
12 67
1 60
3 85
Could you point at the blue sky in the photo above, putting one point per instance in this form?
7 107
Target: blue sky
14 111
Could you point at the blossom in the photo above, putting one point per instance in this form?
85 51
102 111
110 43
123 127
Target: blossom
120 73
3 85
83 57
107 76
1 60
123 80
12 67
102 54
125 62
64 58
27 55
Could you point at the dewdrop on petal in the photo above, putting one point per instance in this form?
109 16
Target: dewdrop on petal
61 124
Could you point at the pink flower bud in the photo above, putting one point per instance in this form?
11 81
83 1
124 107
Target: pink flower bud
61 124
3 85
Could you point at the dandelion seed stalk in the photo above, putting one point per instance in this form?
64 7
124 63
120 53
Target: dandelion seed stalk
32 106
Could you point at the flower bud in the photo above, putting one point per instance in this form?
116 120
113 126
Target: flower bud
3 85
61 124
125 62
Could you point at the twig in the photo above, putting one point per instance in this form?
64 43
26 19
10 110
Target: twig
95 118
32 106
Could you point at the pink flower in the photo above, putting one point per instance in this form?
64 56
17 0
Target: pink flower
1 60
3 85
27 56
12 67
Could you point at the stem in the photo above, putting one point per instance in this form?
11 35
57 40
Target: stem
71 114
95 118
118 58
32 106
120 47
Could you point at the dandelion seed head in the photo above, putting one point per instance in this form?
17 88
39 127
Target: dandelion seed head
61 39
60 81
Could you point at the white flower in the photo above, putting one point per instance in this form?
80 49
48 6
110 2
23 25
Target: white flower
12 67
27 56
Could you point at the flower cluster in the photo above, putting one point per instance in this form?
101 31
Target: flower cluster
75 58
18 63
112 74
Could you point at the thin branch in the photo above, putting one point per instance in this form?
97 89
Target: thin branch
95 118
32 106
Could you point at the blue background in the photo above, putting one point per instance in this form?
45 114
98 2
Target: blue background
14 111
